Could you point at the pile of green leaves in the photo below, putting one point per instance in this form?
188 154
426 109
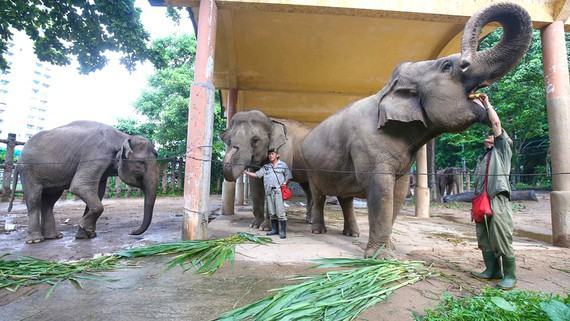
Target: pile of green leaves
28 271
206 256
335 295
494 304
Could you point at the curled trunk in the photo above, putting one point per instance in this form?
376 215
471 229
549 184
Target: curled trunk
149 199
485 67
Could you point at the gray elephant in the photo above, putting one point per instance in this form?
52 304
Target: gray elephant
248 137
366 149
448 181
80 157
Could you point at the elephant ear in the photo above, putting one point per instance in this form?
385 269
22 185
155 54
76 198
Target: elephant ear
278 135
399 102
125 150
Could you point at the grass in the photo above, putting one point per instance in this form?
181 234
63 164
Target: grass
206 256
497 305
334 295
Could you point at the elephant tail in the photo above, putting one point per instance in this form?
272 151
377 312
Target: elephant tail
14 185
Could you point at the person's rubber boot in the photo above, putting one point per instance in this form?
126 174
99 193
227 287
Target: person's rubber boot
509 280
274 228
492 267
282 229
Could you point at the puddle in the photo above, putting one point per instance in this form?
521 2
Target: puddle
534 236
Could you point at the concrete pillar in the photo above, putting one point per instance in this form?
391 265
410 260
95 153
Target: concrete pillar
557 84
200 127
239 191
422 190
228 188
467 181
245 189
163 177
117 187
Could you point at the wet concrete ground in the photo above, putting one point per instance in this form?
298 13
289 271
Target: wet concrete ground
447 240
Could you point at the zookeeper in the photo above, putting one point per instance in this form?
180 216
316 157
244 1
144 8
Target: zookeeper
495 237
275 173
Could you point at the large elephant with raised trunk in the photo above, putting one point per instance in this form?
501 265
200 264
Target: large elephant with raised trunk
79 157
248 138
366 149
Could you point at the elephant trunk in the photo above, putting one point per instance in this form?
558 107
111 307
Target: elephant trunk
233 167
149 190
485 67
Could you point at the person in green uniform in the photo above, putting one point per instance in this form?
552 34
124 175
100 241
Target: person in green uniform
495 236
275 174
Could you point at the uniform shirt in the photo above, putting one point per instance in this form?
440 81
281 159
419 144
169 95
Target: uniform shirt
499 168
273 177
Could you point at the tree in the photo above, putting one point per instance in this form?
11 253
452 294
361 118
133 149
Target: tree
81 28
164 103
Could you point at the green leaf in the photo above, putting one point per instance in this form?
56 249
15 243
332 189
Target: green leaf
556 310
503 304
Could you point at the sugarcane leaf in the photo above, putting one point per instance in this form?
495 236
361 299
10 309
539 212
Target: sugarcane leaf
556 310
503 304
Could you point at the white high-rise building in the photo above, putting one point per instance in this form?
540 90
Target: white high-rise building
23 91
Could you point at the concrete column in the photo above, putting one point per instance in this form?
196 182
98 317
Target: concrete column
200 128
467 181
245 189
239 191
422 190
228 188
117 187
558 109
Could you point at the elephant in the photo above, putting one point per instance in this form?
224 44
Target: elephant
367 148
448 181
248 138
79 157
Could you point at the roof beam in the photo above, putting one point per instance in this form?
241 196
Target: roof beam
561 11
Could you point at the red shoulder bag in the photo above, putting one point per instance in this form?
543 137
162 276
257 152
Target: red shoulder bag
286 193
481 204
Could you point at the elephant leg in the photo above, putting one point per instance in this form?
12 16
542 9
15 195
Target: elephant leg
258 199
33 197
49 228
86 229
317 211
380 197
350 225
400 191
307 189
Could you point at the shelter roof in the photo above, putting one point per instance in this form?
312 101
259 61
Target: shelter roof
306 59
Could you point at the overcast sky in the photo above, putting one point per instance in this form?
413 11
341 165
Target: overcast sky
108 94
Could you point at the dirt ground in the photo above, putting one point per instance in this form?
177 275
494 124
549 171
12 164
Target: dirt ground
446 240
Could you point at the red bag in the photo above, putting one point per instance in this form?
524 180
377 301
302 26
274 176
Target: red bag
286 192
481 204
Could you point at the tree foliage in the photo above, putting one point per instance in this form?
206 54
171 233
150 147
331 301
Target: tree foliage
164 103
520 101
81 28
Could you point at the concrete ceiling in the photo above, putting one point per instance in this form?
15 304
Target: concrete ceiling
305 59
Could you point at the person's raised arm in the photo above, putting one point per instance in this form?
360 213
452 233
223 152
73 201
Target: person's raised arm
494 119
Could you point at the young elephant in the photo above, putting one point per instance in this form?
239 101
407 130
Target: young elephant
366 149
80 157
248 138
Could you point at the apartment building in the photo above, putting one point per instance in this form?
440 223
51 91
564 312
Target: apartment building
23 91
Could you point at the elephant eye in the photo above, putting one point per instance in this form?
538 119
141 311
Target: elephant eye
255 140
447 66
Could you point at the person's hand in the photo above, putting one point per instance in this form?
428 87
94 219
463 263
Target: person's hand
482 100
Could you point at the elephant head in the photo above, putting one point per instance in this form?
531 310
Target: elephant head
435 92
248 138
137 167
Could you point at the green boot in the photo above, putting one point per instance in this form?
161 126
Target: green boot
274 228
510 279
492 267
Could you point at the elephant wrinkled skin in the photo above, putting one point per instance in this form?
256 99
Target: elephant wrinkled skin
80 157
248 138
366 149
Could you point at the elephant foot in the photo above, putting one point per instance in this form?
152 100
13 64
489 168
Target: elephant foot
54 236
381 250
318 228
265 226
256 223
34 238
350 231
84 234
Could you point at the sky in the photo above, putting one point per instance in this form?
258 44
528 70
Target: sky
110 93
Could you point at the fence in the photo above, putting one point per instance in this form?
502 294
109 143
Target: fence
8 166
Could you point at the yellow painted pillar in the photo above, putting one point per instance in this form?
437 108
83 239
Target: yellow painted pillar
422 190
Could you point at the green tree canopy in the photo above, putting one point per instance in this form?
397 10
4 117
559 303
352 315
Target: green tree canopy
164 103
84 29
